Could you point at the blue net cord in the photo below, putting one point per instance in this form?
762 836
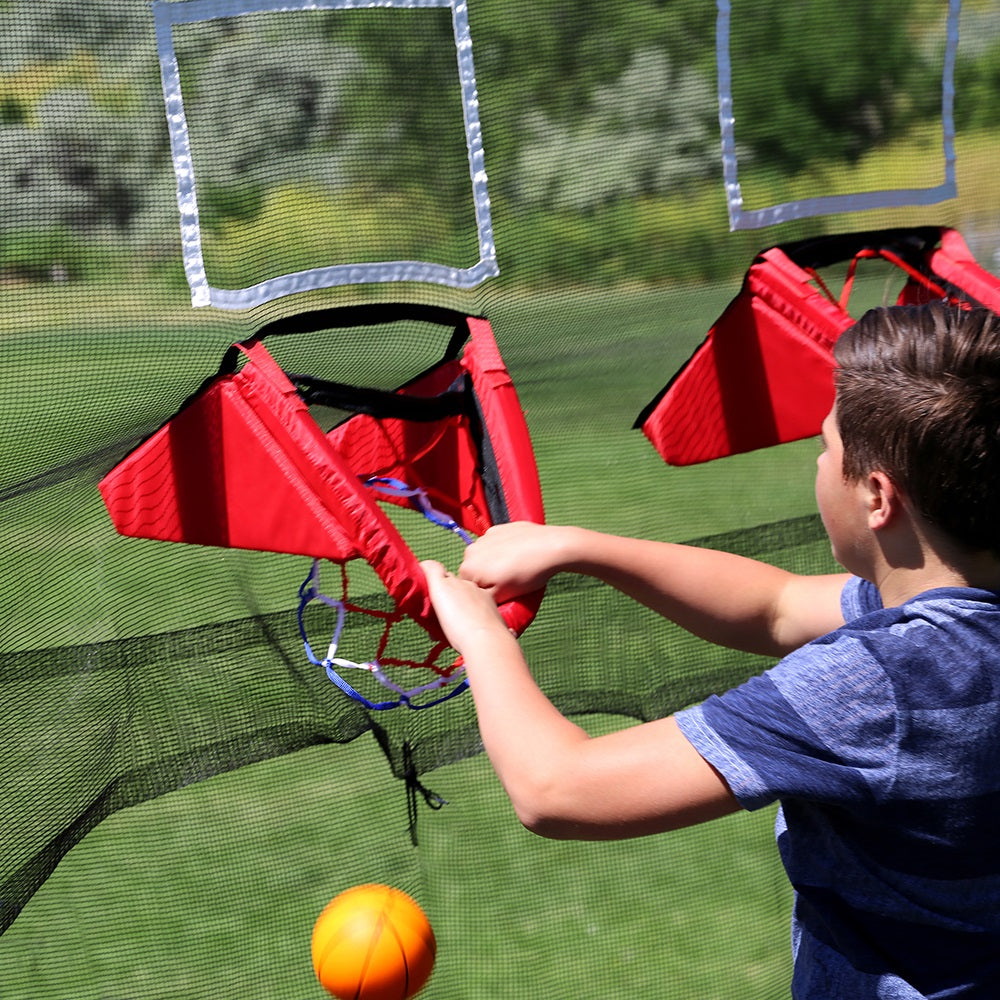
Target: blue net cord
397 488
333 665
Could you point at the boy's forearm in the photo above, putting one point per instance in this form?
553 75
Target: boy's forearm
724 598
524 735
565 784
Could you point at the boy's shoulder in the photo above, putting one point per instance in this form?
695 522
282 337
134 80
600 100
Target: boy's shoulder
940 648
866 710
860 599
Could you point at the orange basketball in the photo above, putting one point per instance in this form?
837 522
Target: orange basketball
373 942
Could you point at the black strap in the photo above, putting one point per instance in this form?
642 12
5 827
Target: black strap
911 244
376 312
453 401
373 314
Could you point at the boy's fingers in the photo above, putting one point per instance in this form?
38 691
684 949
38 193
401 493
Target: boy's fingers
432 568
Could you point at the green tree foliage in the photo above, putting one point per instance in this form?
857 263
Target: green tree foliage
829 79
588 108
79 169
650 131
545 60
43 31
549 56
977 74
405 101
79 134
265 113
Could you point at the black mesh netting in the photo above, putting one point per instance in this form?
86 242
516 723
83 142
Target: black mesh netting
182 790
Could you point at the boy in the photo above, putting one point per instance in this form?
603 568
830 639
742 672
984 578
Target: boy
878 731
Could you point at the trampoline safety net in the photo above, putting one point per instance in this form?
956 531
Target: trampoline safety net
183 788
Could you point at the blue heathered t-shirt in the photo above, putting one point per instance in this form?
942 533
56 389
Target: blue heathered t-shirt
881 741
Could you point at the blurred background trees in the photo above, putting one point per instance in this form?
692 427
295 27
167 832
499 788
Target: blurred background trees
600 120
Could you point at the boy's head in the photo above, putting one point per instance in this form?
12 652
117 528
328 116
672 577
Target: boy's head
918 398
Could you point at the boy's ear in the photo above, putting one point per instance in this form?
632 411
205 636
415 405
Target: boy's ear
884 500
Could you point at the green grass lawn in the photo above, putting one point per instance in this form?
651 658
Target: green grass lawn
210 891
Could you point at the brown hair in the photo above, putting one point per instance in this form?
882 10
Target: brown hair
918 398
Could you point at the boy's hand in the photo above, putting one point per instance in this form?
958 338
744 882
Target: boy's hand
514 559
465 612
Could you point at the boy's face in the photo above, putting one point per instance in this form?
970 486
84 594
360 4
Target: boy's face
841 503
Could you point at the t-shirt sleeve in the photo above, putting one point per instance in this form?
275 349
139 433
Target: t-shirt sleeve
819 725
859 598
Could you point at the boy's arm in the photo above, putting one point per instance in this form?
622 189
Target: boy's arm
727 599
562 782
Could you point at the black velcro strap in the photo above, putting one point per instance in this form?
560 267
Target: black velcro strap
373 314
454 401
821 251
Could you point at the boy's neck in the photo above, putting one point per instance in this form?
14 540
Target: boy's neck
935 561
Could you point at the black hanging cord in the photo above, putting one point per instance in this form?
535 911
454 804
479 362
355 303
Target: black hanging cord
415 788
